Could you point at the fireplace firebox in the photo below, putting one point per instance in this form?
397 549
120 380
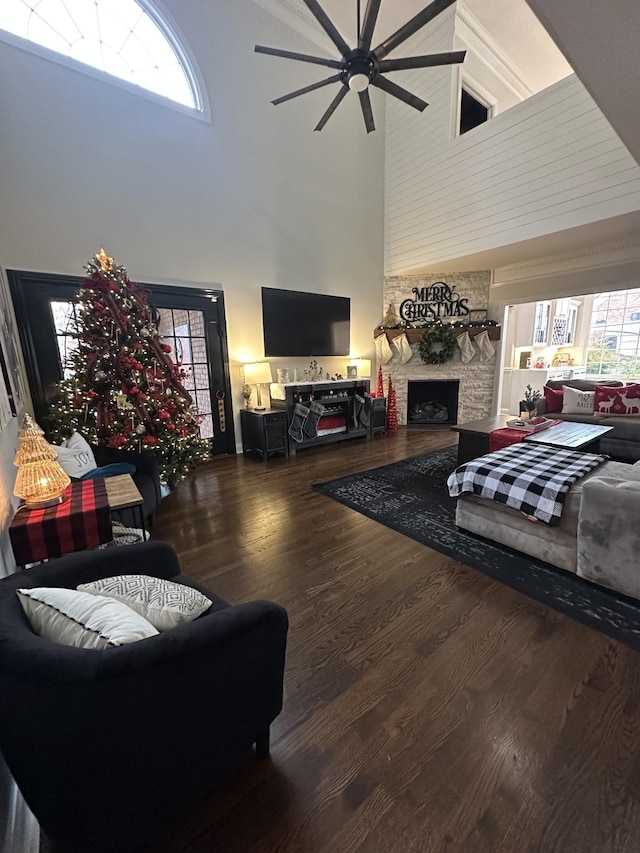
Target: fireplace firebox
432 403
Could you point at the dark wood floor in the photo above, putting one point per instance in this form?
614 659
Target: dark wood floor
428 708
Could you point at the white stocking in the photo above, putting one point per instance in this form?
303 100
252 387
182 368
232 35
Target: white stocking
484 346
403 348
383 350
465 346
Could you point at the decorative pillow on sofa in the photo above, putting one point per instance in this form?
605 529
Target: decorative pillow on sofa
617 401
164 604
553 399
75 456
82 620
576 402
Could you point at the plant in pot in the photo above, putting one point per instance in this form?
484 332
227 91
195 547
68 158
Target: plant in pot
528 404
246 393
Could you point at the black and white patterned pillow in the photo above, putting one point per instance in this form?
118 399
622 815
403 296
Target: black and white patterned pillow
163 603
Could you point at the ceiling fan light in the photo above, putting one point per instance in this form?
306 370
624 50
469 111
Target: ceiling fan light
358 82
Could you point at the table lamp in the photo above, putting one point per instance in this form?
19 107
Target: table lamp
258 373
40 482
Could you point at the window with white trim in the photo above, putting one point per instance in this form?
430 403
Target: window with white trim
124 38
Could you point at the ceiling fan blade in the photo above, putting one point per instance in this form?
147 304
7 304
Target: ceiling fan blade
331 108
368 24
325 22
411 27
367 112
311 88
301 57
398 92
432 60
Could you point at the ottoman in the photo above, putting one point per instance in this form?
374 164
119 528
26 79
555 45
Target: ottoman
555 545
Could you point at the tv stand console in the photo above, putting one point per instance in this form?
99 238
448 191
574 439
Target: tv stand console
337 398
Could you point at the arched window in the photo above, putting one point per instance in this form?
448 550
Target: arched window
124 38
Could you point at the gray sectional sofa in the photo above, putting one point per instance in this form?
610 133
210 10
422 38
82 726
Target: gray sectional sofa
623 442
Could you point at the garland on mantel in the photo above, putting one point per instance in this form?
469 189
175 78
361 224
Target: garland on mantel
438 343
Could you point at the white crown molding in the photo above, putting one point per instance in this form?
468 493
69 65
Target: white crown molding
596 256
477 39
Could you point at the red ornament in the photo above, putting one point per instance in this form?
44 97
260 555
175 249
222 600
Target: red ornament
134 389
150 440
171 427
165 347
163 415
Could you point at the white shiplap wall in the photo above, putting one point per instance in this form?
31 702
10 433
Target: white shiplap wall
549 163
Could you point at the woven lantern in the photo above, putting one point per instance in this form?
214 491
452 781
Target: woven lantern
40 481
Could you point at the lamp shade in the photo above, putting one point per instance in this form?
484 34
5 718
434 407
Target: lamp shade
257 373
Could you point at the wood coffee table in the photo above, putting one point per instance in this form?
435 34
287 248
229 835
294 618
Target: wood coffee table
473 438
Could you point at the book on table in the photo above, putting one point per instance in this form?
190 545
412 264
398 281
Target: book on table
532 425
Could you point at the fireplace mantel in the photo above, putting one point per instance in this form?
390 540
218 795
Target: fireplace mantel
414 335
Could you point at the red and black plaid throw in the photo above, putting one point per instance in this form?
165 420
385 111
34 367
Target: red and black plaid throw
82 520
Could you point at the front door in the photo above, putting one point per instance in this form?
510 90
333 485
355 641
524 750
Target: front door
191 321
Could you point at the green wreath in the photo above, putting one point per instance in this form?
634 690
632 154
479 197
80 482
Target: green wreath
437 344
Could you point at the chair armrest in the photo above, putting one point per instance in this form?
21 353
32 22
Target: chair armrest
149 558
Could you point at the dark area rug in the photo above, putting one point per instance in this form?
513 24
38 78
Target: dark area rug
411 497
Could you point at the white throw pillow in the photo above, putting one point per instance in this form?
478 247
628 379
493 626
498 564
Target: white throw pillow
76 456
164 603
575 402
82 620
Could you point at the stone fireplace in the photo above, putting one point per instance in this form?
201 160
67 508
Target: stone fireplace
432 403
475 380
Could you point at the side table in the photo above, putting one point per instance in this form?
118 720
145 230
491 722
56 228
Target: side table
123 493
81 521
264 431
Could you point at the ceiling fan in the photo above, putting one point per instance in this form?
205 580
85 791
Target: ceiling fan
361 67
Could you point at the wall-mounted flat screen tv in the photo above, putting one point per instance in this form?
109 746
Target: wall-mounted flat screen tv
304 324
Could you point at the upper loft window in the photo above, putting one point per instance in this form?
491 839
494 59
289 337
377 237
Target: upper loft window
472 112
124 38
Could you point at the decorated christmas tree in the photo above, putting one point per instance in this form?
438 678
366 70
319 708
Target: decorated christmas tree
380 388
125 391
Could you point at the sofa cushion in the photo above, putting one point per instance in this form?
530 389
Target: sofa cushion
625 427
577 402
163 603
594 419
620 401
553 398
82 620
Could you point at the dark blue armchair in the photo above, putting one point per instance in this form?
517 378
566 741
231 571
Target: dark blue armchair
110 749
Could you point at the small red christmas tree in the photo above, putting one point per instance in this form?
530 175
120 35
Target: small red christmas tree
392 407
380 388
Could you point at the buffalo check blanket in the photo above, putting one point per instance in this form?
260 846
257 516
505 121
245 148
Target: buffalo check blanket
531 478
